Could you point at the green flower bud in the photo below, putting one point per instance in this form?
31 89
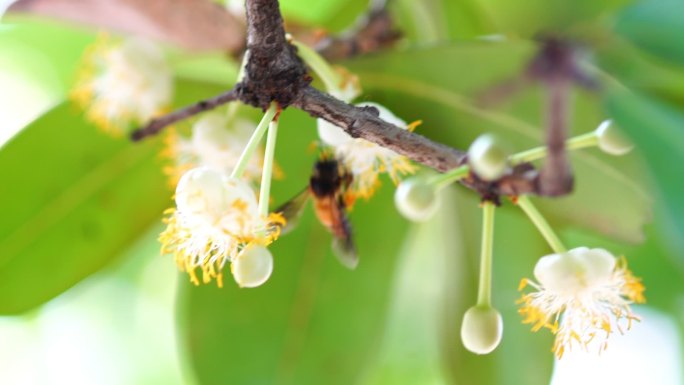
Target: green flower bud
611 140
482 329
416 199
487 157
253 266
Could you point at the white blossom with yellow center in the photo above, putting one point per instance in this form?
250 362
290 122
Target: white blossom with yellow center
124 85
215 219
590 288
366 160
215 143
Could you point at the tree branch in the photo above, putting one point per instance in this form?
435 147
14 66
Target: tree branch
555 66
274 73
363 122
156 125
555 177
374 32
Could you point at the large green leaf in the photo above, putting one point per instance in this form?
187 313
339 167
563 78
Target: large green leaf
333 15
657 26
624 64
439 21
529 18
73 199
62 50
437 85
314 320
657 129
411 351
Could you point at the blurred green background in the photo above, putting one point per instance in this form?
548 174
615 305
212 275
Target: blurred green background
86 298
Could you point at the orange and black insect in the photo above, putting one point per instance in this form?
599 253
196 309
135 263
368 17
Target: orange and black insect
328 189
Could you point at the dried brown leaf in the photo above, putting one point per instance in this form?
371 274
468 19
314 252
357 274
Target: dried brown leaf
198 25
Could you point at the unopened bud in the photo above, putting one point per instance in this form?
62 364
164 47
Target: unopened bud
482 329
611 140
487 157
253 266
416 199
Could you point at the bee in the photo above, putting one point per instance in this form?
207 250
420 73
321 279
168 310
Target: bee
327 188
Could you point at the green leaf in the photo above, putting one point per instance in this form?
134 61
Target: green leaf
437 85
656 26
62 50
333 15
73 199
313 319
528 18
658 130
637 70
411 345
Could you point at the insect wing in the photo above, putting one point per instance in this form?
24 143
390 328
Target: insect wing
343 243
292 210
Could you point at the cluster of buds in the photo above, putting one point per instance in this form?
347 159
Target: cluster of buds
581 295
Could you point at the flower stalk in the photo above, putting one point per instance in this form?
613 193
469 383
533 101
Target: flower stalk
442 180
590 139
542 225
254 142
265 187
484 294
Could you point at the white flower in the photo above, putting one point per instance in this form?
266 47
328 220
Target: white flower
124 85
216 217
213 144
592 291
366 160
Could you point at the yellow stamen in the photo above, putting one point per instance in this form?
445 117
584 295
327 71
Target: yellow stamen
413 125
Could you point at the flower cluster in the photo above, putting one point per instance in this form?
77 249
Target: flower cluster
216 221
216 142
591 288
581 295
123 85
